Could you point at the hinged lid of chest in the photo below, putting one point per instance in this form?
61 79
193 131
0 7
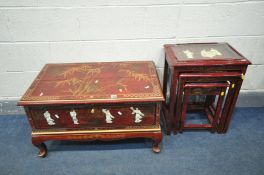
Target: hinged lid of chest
205 53
83 83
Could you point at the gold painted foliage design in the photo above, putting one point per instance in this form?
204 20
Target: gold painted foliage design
138 76
72 81
83 69
83 80
77 85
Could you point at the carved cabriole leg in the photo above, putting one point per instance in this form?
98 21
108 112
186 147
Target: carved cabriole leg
156 143
41 146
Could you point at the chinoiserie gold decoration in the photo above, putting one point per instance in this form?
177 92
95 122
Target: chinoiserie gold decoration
80 88
222 93
211 53
233 85
188 53
137 76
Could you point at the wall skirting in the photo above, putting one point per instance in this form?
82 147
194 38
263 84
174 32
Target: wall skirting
245 99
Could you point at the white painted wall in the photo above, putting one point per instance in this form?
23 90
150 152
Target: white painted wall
35 32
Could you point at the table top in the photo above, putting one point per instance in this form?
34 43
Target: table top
101 82
204 54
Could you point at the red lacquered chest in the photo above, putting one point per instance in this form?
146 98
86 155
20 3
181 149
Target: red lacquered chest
94 101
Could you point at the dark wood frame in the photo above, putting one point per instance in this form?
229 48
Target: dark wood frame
216 77
213 113
174 68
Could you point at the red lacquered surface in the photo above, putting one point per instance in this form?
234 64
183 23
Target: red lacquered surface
94 83
95 119
203 62
74 101
201 89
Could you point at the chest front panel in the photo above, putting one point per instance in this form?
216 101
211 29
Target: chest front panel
93 116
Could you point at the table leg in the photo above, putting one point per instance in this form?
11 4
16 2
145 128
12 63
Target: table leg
156 144
226 108
209 100
165 79
232 106
42 148
177 118
172 102
218 110
164 104
184 110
